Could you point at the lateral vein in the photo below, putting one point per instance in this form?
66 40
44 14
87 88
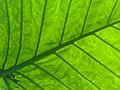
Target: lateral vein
77 71
8 42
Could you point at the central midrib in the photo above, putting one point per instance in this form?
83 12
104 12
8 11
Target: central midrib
51 51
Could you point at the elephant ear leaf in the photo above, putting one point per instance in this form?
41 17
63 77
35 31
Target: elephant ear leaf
59 44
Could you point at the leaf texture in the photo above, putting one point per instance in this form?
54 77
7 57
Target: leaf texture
59 44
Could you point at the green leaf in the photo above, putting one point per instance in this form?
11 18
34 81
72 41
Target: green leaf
59 45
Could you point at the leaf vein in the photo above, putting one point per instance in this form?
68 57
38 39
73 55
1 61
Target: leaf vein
51 51
86 17
39 67
97 61
30 80
107 42
41 27
112 12
77 71
20 42
8 45
65 22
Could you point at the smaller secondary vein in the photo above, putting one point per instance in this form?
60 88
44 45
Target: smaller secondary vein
8 45
97 61
77 71
41 27
18 84
20 42
65 22
86 17
52 76
107 43
30 80
116 27
112 12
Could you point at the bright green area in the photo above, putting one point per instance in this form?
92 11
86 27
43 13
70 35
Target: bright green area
59 45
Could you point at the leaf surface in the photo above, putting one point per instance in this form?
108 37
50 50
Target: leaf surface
59 44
